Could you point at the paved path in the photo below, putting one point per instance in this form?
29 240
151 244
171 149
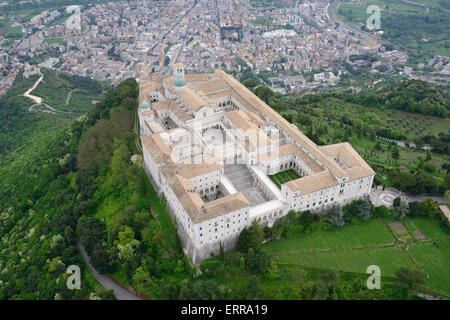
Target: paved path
332 14
51 109
417 4
34 98
386 197
107 282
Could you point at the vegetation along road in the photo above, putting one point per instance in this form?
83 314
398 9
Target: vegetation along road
109 284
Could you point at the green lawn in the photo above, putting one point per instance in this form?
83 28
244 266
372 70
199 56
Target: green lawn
354 247
435 261
431 228
351 248
284 176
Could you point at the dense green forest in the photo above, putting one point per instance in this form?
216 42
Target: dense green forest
412 96
38 207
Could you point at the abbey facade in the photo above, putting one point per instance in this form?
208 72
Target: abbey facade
210 146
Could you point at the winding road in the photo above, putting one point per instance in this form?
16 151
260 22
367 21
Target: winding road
34 98
417 4
109 284
39 101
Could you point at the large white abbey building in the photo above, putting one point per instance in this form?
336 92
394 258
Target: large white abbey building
209 146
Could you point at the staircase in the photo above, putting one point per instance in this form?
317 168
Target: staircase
239 175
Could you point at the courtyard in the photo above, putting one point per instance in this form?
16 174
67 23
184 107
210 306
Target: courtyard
284 176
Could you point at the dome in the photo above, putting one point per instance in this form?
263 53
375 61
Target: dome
179 81
145 105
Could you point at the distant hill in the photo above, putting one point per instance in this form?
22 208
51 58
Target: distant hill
412 96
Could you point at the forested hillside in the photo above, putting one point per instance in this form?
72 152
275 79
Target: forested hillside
412 96
38 204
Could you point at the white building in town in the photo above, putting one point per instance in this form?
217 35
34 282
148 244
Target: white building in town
210 145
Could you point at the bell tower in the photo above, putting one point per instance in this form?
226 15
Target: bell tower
178 70
179 81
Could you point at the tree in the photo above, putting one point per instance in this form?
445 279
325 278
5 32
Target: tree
166 61
222 253
253 288
264 93
447 196
119 165
401 211
273 269
430 207
107 294
100 259
250 83
405 181
305 120
306 219
257 262
411 280
395 153
251 237
364 210
91 230
268 232
142 279
336 217
381 211
397 202
126 244
329 277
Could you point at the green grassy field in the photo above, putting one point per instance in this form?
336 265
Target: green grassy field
430 228
434 259
284 176
350 250
354 247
